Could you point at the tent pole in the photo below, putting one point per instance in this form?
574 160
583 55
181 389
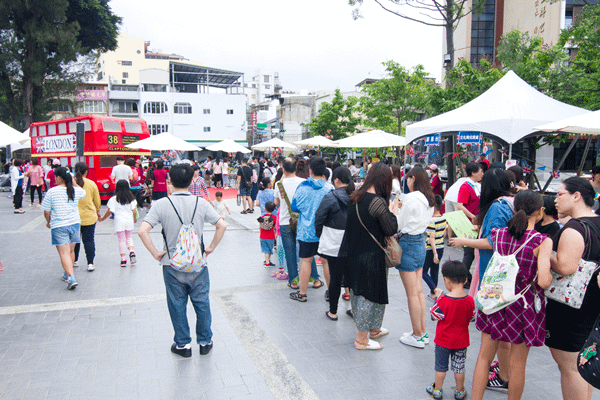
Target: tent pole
510 151
561 162
585 153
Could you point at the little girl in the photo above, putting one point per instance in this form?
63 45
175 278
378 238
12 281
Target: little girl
265 195
124 206
220 206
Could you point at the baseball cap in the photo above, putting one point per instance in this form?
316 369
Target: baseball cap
433 167
56 162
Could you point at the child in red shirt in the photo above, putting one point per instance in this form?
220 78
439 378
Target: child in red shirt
267 236
454 312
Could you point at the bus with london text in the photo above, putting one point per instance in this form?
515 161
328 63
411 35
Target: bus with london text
105 139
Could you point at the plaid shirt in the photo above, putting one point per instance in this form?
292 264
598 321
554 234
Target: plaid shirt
198 188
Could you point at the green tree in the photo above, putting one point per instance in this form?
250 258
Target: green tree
40 40
400 97
336 119
445 13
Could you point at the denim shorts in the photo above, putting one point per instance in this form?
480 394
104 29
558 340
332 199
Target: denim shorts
266 246
413 252
457 358
245 192
66 234
307 249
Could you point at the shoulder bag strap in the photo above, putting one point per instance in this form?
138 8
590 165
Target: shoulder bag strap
370 234
285 196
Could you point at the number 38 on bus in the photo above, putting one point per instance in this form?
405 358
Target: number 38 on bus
105 139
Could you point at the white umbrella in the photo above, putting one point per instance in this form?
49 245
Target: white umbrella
228 146
372 139
587 124
163 141
317 141
274 143
9 135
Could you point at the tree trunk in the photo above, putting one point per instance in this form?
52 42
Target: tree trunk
451 143
27 117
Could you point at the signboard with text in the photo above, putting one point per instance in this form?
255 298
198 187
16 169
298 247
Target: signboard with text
51 144
468 138
433 140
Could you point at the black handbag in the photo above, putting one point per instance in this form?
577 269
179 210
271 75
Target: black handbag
588 361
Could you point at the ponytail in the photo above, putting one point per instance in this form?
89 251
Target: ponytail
80 169
518 224
526 203
63 174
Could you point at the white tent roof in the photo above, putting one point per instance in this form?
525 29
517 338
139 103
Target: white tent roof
228 146
372 139
510 110
9 135
585 124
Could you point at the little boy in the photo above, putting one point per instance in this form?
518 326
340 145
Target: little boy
267 232
453 311
220 206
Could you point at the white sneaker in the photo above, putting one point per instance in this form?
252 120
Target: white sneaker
91 267
412 341
425 337
75 265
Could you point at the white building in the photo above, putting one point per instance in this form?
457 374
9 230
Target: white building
264 83
199 104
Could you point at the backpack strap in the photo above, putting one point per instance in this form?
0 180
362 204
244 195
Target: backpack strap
178 216
525 243
162 231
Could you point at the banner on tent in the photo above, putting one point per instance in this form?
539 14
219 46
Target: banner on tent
433 140
469 138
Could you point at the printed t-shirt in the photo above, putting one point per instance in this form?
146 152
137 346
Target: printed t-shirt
438 226
162 212
269 234
469 198
263 197
122 172
123 214
453 315
159 176
290 185
63 211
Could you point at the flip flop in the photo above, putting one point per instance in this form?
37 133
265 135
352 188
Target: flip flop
319 286
330 317
372 345
382 332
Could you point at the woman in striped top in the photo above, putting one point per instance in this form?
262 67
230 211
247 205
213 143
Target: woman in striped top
434 238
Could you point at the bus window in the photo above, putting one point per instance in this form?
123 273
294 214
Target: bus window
72 126
133 127
62 128
111 126
41 130
43 161
73 161
90 162
108 161
87 125
52 129
64 161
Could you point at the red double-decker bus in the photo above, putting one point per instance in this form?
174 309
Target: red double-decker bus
105 139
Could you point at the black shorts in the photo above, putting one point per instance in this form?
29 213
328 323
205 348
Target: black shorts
307 249
159 195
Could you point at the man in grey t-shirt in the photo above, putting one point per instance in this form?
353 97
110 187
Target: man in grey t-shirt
181 285
121 171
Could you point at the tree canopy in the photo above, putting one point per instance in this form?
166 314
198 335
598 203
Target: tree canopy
38 42
336 119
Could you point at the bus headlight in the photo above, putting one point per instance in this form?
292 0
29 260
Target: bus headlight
105 185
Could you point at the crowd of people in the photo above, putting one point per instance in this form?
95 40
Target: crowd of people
315 208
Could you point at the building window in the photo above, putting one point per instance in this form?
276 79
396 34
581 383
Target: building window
100 75
182 108
482 33
207 129
254 85
126 63
155 107
267 86
124 107
155 129
125 75
229 112
206 111
93 88
120 88
60 107
93 106
154 88
266 78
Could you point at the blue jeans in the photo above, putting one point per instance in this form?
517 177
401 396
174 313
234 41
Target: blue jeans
179 286
290 247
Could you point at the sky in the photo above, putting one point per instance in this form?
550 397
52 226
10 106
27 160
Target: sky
313 44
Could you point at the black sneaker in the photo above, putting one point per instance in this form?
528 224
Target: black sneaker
496 383
494 368
185 351
205 348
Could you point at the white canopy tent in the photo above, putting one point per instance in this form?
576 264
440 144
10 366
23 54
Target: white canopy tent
509 110
274 143
163 141
586 124
9 135
372 139
228 146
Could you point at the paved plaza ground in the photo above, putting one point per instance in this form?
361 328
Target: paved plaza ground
110 338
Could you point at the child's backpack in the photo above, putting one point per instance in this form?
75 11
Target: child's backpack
188 248
497 289
266 223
